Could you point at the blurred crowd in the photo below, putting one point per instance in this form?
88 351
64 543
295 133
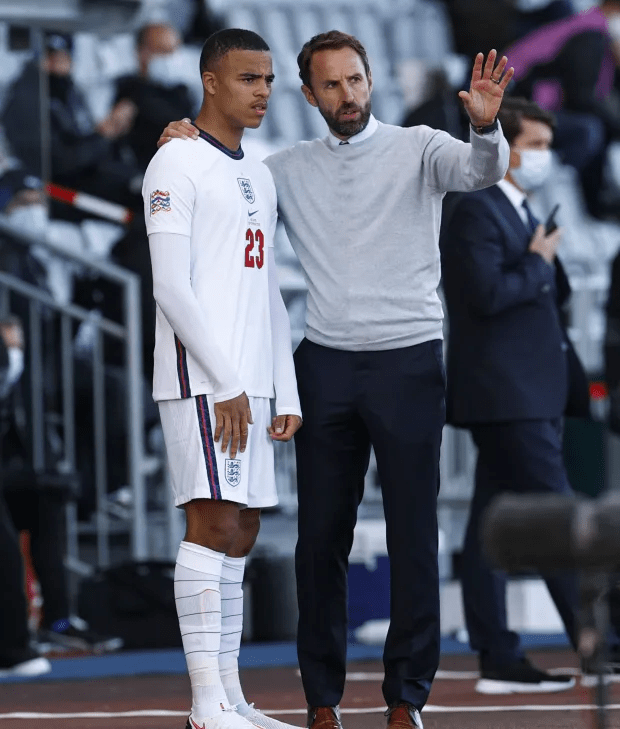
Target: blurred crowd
102 162
565 61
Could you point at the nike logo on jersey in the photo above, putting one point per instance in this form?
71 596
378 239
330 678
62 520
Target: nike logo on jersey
250 214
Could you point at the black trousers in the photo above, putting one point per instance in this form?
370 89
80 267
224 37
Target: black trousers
14 634
522 457
394 401
43 515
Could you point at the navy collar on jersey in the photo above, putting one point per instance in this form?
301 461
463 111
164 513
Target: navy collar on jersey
238 154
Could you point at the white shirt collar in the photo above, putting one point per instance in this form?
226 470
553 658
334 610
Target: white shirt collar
515 196
370 129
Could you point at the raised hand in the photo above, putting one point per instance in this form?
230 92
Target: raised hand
486 90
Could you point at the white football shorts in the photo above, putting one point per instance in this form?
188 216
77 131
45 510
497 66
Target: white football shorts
199 469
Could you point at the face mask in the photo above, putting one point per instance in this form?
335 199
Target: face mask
613 23
167 70
30 219
534 170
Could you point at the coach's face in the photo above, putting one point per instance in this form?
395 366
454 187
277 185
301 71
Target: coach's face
340 90
240 87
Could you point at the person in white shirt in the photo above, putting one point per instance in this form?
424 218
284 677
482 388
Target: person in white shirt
222 351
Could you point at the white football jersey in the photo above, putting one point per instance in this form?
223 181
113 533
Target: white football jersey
225 202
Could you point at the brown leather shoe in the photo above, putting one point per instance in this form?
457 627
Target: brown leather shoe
403 716
324 717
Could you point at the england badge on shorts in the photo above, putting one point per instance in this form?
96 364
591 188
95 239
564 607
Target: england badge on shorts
233 471
246 189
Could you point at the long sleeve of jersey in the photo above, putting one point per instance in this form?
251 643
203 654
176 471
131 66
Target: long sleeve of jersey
172 290
285 382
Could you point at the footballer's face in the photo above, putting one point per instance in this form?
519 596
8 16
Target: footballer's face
240 87
340 89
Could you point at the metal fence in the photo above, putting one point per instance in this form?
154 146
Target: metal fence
156 528
66 319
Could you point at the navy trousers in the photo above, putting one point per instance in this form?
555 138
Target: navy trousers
14 635
521 456
394 400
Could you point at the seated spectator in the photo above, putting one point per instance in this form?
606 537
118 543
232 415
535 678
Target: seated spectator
26 208
157 91
84 156
568 67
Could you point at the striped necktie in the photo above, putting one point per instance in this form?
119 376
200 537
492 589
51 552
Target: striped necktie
344 141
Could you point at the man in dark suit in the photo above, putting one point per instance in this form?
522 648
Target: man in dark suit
509 377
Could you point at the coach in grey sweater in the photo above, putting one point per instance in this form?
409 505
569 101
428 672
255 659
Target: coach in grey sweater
362 210
364 220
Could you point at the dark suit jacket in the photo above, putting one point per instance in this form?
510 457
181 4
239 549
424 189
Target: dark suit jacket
507 349
156 105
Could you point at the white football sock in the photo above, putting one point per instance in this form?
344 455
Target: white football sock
197 595
231 587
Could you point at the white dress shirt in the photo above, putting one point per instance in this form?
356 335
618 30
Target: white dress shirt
516 197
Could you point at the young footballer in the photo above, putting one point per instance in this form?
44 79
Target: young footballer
222 351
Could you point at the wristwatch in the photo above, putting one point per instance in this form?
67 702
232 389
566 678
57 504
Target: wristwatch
488 129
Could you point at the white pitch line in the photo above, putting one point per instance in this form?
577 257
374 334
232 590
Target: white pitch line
444 675
448 675
526 707
93 714
430 709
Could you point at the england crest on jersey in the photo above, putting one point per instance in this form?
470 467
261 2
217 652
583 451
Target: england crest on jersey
233 471
246 189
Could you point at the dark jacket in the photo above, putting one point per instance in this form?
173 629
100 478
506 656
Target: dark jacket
508 353
75 145
157 105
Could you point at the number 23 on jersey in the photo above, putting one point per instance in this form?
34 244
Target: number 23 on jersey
255 248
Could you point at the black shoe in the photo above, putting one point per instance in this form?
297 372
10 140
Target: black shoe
24 663
74 634
403 716
520 677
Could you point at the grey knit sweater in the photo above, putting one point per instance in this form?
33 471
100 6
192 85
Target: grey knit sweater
364 221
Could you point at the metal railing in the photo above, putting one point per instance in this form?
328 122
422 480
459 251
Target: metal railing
42 306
